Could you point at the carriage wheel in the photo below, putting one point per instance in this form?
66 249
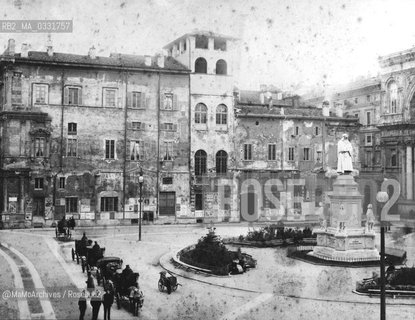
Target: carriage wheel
56 232
77 258
160 285
73 254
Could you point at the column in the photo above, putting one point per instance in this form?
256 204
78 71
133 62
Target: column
409 173
5 202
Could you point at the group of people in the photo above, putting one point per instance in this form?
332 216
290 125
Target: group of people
96 299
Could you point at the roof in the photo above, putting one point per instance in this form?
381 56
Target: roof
252 111
115 61
199 33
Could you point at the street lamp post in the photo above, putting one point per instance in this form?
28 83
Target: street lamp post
382 197
140 182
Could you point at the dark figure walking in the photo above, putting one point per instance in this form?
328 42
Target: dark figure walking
82 305
108 300
96 304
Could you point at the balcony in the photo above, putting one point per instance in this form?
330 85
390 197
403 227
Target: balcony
389 119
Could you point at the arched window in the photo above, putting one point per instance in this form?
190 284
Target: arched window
221 162
221 67
200 65
200 113
200 163
221 114
393 97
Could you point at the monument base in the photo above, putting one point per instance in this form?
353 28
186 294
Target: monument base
351 245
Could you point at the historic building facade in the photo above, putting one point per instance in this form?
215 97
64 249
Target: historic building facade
212 59
289 154
77 130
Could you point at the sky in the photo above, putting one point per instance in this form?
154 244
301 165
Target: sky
293 45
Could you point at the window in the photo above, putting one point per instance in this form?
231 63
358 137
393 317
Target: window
167 203
184 45
368 139
71 205
40 144
136 100
368 119
272 152
297 131
135 150
221 114
168 126
110 97
38 183
368 98
61 182
356 100
368 158
247 151
317 131
319 156
291 154
201 113
40 92
72 147
221 67
200 162
168 101
306 156
219 44
72 128
168 180
109 204
73 96
200 65
109 149
202 42
221 162
17 88
392 96
168 150
135 125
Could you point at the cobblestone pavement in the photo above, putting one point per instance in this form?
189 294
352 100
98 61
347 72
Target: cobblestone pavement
278 288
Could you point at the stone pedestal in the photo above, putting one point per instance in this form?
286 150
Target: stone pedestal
344 239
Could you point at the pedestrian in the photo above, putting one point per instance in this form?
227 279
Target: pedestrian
82 305
96 304
108 300
90 283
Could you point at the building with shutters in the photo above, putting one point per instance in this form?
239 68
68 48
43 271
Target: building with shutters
77 129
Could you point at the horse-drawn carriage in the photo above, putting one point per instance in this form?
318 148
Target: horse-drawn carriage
87 254
167 283
62 231
107 268
127 290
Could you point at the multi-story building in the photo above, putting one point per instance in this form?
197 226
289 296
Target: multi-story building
288 153
77 130
212 59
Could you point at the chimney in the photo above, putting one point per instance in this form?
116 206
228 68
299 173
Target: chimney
24 53
326 109
147 61
91 52
49 47
160 60
262 98
11 47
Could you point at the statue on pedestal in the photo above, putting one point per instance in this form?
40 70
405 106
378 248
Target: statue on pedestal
344 155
